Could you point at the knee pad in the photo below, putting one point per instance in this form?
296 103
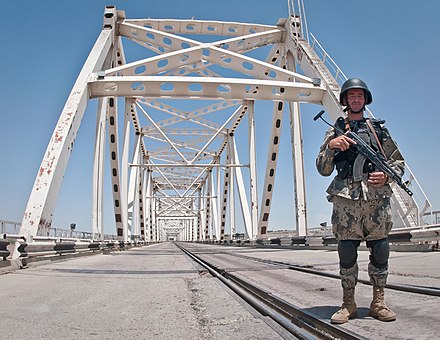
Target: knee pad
379 252
347 251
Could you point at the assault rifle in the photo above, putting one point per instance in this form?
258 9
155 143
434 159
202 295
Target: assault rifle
365 150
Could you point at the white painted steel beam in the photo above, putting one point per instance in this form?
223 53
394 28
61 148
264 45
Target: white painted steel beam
205 27
148 210
298 162
208 205
271 167
98 171
41 205
143 211
216 206
232 220
192 116
250 41
205 88
154 226
224 198
159 64
125 170
166 41
253 169
246 215
298 169
113 134
134 187
252 67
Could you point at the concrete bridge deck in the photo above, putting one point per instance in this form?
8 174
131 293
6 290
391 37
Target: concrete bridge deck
152 292
156 292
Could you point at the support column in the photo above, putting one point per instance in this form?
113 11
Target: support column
134 188
242 192
232 220
142 203
298 170
253 170
217 206
224 201
148 204
271 167
124 173
298 160
199 216
114 164
153 219
98 171
208 205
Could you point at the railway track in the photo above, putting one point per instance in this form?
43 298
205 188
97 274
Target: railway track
429 291
294 320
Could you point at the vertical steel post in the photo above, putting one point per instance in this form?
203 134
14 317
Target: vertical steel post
242 192
253 170
134 189
298 166
232 221
215 203
224 195
271 167
298 160
98 171
148 212
124 172
114 164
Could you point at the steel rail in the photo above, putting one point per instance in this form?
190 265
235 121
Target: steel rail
297 322
399 287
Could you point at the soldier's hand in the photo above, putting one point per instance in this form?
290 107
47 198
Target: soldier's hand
377 179
342 143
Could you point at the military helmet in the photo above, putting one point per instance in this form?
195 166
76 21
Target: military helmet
355 83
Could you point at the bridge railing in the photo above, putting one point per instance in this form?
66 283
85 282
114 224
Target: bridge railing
40 247
13 228
331 65
424 238
10 227
57 241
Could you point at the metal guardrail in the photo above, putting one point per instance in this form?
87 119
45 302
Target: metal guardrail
13 228
49 247
428 236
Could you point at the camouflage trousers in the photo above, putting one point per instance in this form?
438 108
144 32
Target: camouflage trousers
364 221
361 220
349 277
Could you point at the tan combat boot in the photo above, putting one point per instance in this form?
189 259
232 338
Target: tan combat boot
348 309
378 308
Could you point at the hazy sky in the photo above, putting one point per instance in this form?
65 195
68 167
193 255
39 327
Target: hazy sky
393 45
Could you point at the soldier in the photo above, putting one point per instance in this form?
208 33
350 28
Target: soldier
360 197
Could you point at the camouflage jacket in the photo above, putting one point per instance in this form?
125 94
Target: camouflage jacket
358 188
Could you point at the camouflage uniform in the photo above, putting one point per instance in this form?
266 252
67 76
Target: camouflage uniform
361 212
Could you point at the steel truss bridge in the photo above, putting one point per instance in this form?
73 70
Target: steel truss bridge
179 127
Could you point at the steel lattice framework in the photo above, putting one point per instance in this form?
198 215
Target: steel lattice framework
176 170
